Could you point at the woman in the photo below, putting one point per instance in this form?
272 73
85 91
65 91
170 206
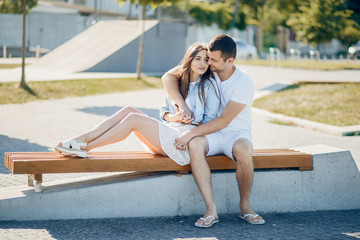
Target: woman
200 93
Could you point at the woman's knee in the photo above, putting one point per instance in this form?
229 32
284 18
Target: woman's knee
133 117
127 110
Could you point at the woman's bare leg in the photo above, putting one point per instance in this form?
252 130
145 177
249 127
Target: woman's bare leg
106 125
146 128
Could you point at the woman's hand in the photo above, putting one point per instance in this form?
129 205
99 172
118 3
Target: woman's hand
177 117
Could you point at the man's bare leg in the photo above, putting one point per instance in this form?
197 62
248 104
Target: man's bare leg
198 147
242 151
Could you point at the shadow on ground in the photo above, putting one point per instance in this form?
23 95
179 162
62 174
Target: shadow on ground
108 111
8 144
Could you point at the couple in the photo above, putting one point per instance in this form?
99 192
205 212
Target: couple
207 112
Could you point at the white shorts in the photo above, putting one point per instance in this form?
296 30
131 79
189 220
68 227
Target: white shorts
223 142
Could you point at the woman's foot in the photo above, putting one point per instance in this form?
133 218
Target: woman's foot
72 147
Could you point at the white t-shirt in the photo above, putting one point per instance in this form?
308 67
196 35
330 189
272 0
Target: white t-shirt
239 88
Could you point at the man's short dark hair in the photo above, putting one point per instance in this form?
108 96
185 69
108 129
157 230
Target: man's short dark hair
225 44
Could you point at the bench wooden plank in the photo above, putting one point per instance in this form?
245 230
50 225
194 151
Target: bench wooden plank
51 162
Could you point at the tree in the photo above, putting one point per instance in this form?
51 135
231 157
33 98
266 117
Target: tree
221 13
23 48
319 21
257 8
16 6
153 4
350 34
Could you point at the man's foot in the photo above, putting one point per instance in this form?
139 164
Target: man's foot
206 222
253 218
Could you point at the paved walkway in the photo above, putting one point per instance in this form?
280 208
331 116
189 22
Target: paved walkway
306 225
40 125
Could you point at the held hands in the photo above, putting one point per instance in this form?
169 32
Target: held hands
187 116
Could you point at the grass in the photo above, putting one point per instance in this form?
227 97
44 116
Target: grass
10 93
335 104
306 64
281 122
10 65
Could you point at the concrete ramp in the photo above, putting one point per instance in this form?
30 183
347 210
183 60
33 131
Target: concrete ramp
334 184
93 45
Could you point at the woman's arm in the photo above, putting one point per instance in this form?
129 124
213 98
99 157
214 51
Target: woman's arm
171 84
177 117
169 112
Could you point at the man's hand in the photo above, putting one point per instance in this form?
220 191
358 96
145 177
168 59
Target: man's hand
182 142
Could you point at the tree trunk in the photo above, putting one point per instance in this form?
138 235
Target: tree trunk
259 39
141 44
23 47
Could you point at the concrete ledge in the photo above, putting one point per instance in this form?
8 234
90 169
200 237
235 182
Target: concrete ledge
334 184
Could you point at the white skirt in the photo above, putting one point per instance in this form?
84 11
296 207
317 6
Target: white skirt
167 134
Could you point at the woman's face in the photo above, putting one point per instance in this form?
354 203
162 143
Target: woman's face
199 64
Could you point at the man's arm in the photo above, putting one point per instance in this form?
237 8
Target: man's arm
231 110
171 84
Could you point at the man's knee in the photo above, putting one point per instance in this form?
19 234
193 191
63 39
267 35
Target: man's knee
242 150
198 144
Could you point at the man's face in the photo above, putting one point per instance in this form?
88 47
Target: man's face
216 62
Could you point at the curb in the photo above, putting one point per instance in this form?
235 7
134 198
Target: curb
321 127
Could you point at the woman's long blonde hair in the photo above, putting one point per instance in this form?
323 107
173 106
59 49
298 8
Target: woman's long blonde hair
183 73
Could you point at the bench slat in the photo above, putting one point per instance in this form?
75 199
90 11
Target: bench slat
51 162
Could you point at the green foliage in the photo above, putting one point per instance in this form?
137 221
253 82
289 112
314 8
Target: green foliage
351 33
152 3
241 23
15 6
319 21
277 12
255 6
354 5
218 12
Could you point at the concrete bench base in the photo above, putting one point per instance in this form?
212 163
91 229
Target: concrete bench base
333 184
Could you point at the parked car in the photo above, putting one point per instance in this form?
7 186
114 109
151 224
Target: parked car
245 51
354 50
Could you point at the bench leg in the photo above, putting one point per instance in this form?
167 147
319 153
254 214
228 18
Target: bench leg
35 180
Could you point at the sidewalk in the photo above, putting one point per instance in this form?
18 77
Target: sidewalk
306 225
40 125
265 78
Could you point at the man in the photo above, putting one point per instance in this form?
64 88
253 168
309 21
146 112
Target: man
229 133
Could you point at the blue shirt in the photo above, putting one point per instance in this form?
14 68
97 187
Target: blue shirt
202 111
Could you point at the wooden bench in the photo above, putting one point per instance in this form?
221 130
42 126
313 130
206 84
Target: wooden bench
35 164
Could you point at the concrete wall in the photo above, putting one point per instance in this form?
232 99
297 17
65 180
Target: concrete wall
164 48
334 184
44 29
